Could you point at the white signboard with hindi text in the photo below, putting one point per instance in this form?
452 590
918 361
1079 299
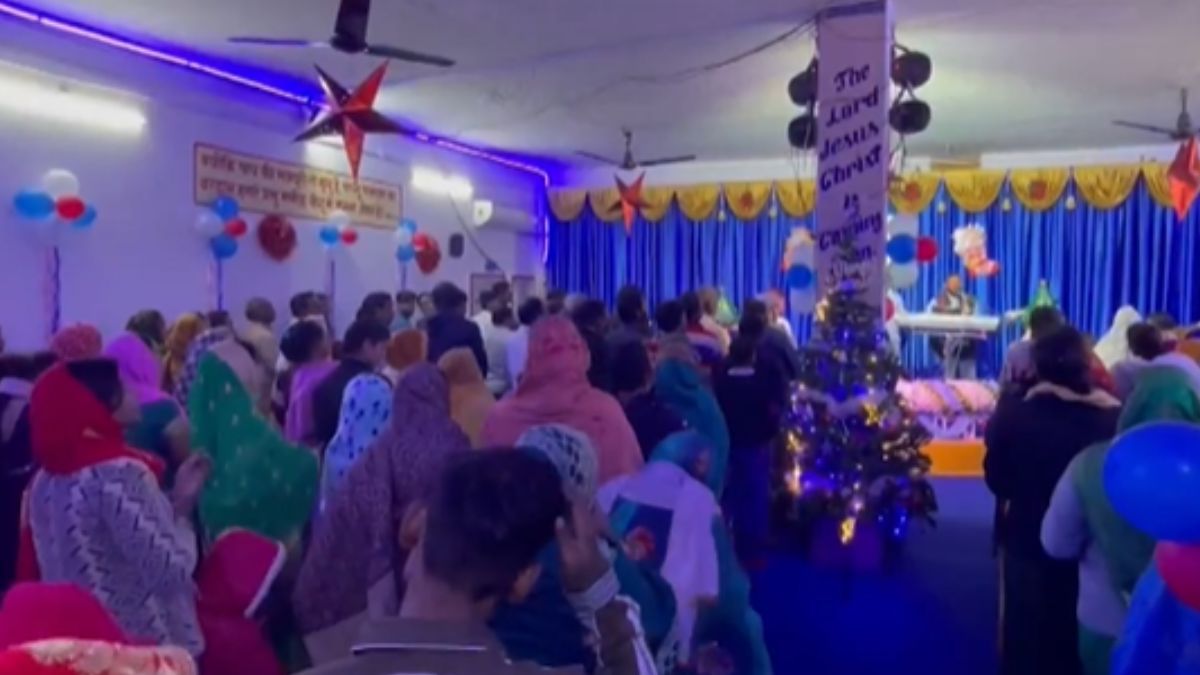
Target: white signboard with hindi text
854 45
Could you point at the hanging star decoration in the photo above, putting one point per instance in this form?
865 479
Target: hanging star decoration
1184 178
351 115
630 199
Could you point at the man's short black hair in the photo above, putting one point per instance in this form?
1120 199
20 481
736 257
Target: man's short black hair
301 304
692 309
631 304
501 288
753 325
669 316
447 297
756 307
589 313
1063 357
362 333
631 367
374 302
300 341
1044 320
406 297
530 311
491 514
502 317
556 301
485 297
1145 340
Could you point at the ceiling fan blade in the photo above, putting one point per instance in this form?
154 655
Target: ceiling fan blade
409 55
352 19
1145 127
668 160
599 158
278 42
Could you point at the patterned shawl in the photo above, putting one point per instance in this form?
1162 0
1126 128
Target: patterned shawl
354 543
259 481
197 348
366 411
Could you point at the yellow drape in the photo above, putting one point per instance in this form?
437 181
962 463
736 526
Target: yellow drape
797 198
566 205
606 204
1105 187
1158 184
698 202
913 193
1038 189
658 202
974 191
747 200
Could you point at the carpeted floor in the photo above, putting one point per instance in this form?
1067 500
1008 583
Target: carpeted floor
933 615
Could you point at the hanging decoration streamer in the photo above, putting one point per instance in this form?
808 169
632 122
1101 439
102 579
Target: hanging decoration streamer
52 291
331 287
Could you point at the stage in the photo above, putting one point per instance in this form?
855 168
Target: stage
955 412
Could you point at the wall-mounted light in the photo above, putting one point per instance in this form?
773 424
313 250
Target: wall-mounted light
36 95
433 182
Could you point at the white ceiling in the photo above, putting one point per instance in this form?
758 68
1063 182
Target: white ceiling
546 77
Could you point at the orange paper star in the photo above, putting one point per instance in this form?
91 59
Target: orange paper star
630 199
1184 177
351 115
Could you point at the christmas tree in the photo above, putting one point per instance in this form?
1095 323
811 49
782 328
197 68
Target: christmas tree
850 451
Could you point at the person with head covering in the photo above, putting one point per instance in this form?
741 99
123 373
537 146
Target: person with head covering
353 561
544 627
1030 442
162 428
408 347
151 327
669 520
633 382
179 342
77 341
679 386
1081 524
470 398
1114 345
259 481
306 349
366 410
95 513
554 390
196 350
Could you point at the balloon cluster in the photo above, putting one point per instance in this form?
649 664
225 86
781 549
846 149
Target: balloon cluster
338 232
221 223
413 245
798 260
905 250
57 202
1152 479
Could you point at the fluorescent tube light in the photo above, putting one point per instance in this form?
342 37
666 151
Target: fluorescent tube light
430 181
56 101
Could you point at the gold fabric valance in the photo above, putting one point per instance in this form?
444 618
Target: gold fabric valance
1101 187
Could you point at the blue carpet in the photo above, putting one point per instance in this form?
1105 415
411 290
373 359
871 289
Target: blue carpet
933 614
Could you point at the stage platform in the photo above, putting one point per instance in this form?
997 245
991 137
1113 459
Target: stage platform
961 458
956 413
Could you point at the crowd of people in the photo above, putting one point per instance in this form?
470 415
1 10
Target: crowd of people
527 488
1080 593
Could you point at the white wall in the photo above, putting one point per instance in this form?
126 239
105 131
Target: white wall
142 252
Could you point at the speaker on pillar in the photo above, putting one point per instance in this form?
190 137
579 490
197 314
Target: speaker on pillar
910 70
802 131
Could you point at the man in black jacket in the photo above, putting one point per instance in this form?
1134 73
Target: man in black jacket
363 351
449 327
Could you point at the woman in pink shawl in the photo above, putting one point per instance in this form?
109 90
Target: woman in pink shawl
554 390
306 348
163 428
351 568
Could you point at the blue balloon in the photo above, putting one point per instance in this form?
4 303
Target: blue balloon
799 277
409 224
33 204
405 253
902 249
1152 478
226 207
223 246
329 235
87 219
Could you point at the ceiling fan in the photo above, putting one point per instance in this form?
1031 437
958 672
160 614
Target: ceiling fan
1184 129
350 37
628 163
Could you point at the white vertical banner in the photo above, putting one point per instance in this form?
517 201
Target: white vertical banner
854 43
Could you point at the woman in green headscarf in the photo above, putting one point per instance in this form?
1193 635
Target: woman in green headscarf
1082 524
259 481
678 384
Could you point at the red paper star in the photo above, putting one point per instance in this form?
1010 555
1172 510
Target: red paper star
1184 177
630 199
351 115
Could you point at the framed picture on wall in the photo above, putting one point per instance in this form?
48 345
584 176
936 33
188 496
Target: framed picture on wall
480 282
524 286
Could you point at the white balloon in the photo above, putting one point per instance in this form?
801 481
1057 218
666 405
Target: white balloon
403 237
340 219
60 183
208 224
902 276
903 223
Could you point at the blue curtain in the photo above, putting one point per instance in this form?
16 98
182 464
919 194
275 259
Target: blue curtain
1094 262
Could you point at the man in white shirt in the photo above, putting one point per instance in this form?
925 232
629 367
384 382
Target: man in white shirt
518 344
495 343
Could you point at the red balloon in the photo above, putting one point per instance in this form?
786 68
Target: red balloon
349 236
277 237
889 309
236 228
70 208
429 257
1179 566
927 249
421 241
